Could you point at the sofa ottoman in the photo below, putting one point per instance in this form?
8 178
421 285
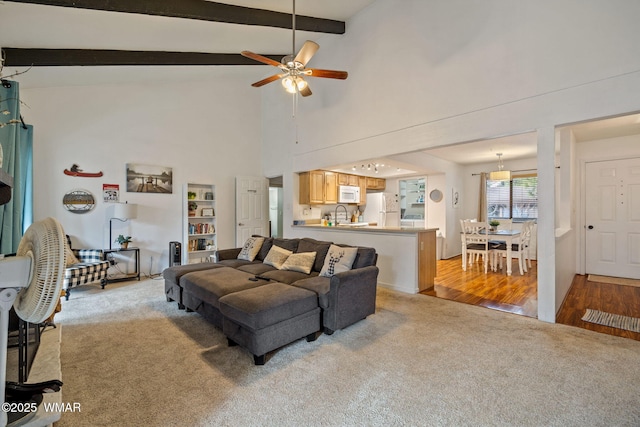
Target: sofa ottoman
201 290
268 317
172 275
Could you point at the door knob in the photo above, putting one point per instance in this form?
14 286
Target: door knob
590 227
240 224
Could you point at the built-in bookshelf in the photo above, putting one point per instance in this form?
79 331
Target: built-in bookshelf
199 241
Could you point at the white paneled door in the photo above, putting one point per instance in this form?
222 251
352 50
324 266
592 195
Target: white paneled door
613 218
252 207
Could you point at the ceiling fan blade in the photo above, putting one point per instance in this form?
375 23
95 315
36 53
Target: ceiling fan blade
260 58
268 80
306 52
306 91
331 74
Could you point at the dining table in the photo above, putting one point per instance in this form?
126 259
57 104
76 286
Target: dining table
506 236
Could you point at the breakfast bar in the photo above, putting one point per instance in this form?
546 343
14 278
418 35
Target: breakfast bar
406 255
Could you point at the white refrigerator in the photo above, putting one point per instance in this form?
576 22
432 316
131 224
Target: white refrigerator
382 208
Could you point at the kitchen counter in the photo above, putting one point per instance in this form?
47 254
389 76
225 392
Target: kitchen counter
406 255
367 228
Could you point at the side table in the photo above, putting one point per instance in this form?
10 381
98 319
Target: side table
108 254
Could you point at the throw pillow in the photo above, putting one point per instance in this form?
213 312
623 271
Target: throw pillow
320 248
276 256
251 248
338 259
264 250
302 262
70 256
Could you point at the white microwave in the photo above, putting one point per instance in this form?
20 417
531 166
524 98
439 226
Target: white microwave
348 194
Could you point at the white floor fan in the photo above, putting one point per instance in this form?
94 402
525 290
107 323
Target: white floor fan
30 282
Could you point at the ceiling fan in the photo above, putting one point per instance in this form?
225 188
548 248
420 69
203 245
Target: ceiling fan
293 67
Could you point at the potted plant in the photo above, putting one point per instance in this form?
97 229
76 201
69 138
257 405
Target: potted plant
493 224
193 206
191 195
123 241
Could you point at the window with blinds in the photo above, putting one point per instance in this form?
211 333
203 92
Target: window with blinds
516 199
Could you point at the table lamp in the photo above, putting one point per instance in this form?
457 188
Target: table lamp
122 212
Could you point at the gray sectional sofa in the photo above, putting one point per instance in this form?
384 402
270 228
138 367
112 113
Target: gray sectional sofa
262 307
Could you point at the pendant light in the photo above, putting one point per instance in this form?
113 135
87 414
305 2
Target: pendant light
500 174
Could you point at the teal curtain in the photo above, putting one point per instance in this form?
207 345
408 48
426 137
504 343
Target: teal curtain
16 139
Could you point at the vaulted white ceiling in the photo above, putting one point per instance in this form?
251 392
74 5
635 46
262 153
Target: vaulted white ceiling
25 25
52 27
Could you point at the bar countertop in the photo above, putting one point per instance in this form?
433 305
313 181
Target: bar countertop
366 229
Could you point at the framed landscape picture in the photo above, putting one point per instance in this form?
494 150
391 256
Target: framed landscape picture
149 179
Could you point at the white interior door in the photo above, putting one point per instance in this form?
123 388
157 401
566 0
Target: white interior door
612 216
252 207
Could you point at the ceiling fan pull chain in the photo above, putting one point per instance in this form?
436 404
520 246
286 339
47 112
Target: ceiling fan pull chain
295 126
294 105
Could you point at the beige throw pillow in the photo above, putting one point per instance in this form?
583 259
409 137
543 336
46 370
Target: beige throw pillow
276 256
251 248
338 259
70 257
302 262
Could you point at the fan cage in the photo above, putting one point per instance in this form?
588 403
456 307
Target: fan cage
44 243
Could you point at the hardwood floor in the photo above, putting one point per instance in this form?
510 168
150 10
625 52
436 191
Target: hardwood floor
519 294
616 299
514 294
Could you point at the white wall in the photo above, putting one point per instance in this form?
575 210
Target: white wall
203 130
426 74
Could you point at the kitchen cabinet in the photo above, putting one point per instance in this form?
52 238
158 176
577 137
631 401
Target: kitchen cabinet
311 188
376 183
330 187
362 183
426 260
347 179
318 187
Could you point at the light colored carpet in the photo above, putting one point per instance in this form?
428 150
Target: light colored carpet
613 280
130 358
613 320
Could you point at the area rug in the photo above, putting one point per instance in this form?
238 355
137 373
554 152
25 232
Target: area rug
613 280
614 320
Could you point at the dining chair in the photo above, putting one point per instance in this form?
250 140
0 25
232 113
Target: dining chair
527 251
466 229
519 250
475 243
463 241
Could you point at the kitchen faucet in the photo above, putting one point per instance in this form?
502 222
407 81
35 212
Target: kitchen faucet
346 214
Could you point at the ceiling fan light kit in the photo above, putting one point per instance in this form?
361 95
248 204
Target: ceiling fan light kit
292 84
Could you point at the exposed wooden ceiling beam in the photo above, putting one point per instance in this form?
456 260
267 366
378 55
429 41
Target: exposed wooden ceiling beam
18 57
202 10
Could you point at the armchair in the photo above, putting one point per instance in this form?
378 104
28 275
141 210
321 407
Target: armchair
84 266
